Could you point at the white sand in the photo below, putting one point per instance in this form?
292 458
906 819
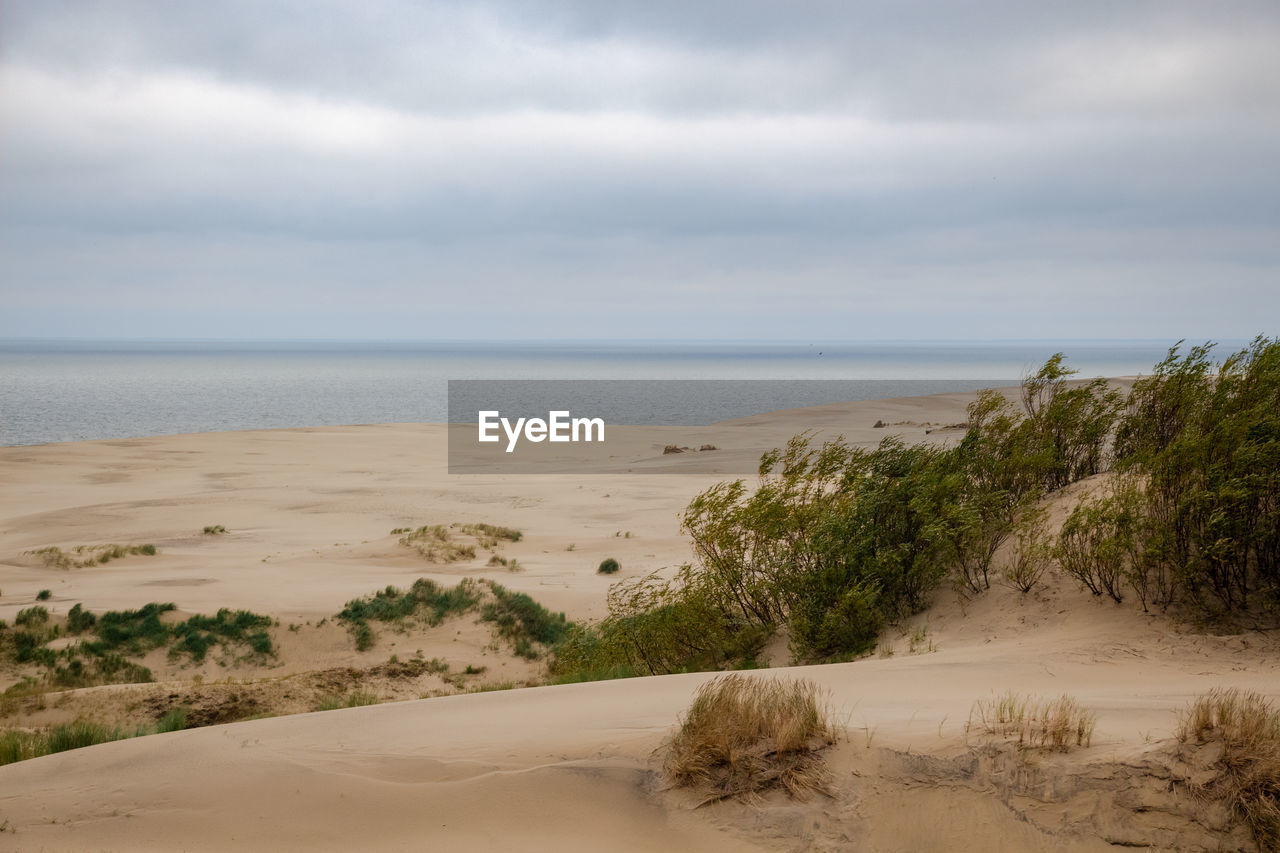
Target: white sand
555 768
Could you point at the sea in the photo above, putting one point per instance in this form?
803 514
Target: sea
76 390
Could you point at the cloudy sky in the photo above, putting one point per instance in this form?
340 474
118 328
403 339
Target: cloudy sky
831 170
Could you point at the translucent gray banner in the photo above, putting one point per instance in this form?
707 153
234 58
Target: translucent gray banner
648 426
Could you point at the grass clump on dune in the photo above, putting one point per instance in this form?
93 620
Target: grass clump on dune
745 735
434 543
530 627
109 640
131 632
425 601
1054 724
18 745
1248 726
32 617
487 535
83 556
197 635
523 621
439 544
355 699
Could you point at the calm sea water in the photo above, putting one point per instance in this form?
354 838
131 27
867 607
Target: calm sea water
78 390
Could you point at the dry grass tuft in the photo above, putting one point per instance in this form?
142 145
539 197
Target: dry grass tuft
744 735
1056 724
434 542
1248 726
83 556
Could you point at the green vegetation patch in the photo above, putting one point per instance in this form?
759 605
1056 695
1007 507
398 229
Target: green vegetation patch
835 541
111 639
523 621
425 602
227 628
17 745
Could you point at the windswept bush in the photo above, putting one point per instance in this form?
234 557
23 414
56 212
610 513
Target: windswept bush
1060 435
744 735
1205 445
1031 551
1093 545
835 541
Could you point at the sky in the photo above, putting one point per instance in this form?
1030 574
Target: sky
974 169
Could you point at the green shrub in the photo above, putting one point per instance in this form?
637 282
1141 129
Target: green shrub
1031 552
81 733
174 720
44 595
80 620
32 617
133 632
363 635
1204 444
523 621
1094 543
195 636
29 648
109 668
426 602
20 746
608 567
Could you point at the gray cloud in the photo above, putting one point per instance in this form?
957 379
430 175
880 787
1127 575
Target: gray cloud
872 169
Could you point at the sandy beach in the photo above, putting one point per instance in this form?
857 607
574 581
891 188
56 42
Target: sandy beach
450 763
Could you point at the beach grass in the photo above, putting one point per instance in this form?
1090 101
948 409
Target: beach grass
744 735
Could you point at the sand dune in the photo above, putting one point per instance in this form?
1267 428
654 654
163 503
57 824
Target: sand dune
565 767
